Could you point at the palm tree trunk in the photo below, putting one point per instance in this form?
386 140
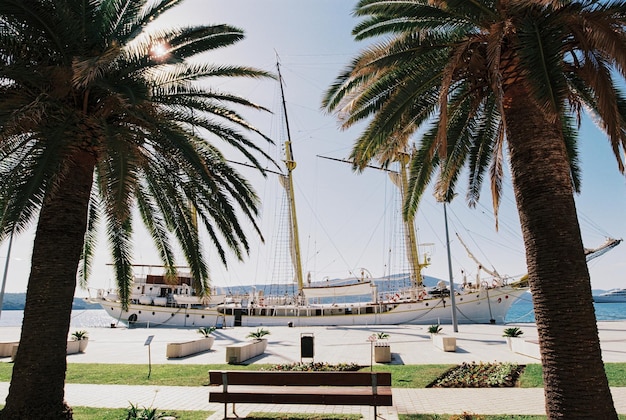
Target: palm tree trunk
576 386
38 381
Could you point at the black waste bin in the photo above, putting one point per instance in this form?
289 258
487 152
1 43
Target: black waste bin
306 345
238 314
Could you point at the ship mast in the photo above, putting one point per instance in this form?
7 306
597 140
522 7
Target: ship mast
610 243
481 266
409 227
589 254
288 183
401 180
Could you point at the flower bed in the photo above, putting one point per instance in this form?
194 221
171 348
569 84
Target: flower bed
479 375
316 366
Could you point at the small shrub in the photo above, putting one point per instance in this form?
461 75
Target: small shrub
512 332
80 335
206 331
434 329
136 413
382 335
258 334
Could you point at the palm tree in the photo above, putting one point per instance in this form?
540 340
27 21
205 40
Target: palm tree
476 76
100 115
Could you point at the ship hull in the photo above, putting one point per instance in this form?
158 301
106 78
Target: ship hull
609 299
480 307
615 296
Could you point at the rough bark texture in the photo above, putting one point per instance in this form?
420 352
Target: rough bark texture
38 381
576 386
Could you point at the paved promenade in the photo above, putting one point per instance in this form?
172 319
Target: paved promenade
409 345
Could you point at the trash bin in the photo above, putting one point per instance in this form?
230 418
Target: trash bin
238 314
306 345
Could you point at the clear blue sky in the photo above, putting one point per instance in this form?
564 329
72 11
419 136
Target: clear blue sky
345 218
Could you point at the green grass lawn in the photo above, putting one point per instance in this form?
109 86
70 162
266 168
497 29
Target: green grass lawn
301 416
532 376
475 417
469 417
403 376
412 376
164 374
90 413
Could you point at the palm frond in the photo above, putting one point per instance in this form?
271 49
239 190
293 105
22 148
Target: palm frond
91 239
119 233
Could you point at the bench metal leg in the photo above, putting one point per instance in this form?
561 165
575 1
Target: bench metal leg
226 411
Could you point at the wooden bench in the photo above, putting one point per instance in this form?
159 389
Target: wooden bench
325 388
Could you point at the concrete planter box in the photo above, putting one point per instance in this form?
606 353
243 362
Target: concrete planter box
444 342
238 353
6 348
382 352
77 346
524 347
82 345
189 347
73 347
509 343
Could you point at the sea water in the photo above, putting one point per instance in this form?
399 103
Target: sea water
520 312
80 319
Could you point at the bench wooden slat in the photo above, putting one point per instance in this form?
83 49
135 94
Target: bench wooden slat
283 390
301 378
300 398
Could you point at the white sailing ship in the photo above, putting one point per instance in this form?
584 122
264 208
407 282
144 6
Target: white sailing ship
158 302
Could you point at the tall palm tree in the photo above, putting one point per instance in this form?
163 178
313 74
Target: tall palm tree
100 115
481 75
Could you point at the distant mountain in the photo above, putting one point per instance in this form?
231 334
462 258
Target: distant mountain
16 301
